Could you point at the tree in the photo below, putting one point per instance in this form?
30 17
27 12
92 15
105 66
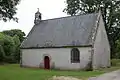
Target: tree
117 53
2 53
8 9
110 10
17 48
14 32
10 45
7 48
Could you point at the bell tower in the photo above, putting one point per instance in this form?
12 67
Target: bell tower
37 17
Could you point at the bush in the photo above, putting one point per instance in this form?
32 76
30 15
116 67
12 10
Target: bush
115 62
9 48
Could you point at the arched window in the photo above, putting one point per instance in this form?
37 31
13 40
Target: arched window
75 55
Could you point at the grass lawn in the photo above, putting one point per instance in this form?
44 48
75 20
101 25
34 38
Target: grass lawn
14 72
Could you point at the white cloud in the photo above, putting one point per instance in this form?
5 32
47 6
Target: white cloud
26 10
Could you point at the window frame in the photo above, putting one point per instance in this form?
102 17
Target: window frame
75 55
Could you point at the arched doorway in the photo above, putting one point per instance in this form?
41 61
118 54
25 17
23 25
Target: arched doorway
46 62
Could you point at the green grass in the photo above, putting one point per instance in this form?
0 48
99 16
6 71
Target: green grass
14 72
115 65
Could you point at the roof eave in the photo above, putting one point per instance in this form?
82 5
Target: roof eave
57 47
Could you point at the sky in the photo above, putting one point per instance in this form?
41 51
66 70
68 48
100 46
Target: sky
27 9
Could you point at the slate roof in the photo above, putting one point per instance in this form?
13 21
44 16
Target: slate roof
61 32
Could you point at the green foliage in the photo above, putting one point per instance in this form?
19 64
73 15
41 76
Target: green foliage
8 9
115 62
7 47
14 32
17 48
10 45
117 49
2 53
72 7
110 12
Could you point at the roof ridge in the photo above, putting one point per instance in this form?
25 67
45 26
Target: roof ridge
69 16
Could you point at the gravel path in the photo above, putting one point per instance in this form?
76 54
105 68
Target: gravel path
63 78
115 75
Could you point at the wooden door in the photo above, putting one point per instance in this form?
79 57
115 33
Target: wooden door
46 62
